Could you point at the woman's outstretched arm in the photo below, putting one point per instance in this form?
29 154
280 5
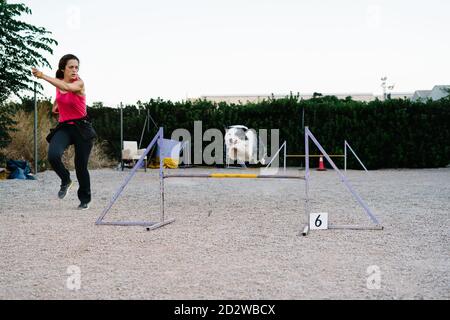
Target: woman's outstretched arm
76 86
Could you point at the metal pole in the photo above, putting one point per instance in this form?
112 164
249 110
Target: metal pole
232 176
35 133
161 172
345 156
284 158
303 120
306 228
121 130
132 173
276 154
143 130
360 162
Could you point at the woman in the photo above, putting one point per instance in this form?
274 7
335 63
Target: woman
70 106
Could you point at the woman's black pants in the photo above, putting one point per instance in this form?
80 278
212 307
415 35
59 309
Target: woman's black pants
68 134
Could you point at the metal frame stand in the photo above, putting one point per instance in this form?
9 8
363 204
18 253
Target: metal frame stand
149 224
154 225
377 225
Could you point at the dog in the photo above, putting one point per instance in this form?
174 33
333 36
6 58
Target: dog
242 144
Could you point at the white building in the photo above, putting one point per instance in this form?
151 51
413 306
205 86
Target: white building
438 92
259 97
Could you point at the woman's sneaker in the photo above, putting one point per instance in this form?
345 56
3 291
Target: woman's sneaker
83 206
64 190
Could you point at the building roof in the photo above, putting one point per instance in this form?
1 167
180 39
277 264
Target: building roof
438 92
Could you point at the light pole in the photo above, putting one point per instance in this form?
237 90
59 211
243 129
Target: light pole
35 133
384 86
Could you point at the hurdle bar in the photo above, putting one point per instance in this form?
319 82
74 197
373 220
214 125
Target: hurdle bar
233 175
377 225
313 155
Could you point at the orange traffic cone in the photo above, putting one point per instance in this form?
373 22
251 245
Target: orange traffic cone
321 165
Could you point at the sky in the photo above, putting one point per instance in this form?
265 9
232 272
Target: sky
174 49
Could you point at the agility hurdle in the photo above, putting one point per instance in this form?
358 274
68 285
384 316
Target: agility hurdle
346 145
154 225
284 147
376 226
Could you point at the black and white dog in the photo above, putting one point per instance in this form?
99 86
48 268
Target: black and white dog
242 144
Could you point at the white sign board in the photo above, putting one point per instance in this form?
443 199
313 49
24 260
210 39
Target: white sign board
318 220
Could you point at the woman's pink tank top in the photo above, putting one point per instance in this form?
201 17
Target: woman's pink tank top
70 105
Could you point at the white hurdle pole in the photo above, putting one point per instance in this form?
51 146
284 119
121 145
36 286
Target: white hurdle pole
306 228
161 172
276 154
345 156
345 162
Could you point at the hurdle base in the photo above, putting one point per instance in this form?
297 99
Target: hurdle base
305 230
150 225
356 227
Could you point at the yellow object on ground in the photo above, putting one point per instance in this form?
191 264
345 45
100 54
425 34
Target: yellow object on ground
4 174
168 163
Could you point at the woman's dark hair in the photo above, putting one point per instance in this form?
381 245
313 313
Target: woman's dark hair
62 65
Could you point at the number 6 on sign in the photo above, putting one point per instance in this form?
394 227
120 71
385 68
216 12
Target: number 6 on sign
318 220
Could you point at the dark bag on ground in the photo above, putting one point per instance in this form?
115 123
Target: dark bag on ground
83 125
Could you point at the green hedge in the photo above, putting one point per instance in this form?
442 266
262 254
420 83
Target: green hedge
385 134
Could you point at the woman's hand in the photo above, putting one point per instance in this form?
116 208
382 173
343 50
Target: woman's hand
76 86
38 74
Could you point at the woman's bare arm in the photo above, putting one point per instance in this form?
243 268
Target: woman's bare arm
76 86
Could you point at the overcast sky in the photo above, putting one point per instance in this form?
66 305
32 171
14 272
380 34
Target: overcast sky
141 49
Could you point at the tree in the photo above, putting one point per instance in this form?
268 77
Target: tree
6 124
21 45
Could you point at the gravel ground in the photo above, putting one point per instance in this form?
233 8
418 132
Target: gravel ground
232 238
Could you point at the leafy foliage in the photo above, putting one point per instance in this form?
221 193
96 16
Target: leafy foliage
21 45
385 134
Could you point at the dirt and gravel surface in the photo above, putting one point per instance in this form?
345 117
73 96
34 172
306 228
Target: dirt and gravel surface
232 238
